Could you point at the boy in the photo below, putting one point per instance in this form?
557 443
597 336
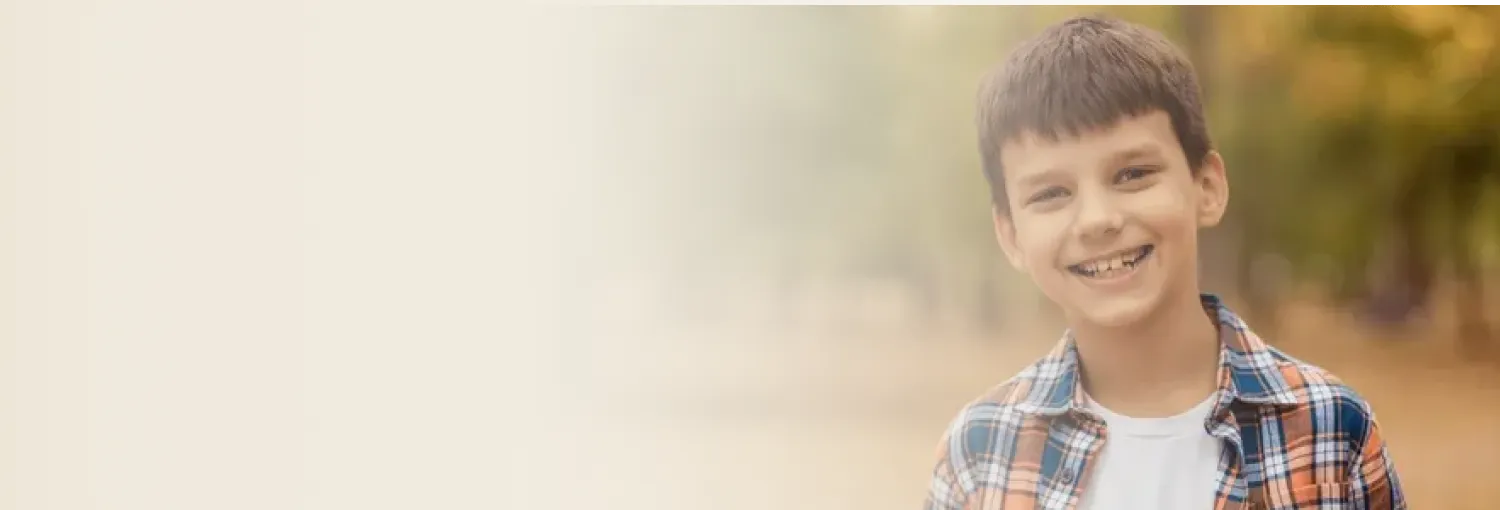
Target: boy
1158 396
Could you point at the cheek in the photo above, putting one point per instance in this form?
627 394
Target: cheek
1166 211
1039 244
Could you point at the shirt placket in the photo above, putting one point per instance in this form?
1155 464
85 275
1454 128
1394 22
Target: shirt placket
1233 490
1084 438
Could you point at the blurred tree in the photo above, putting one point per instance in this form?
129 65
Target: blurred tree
1393 119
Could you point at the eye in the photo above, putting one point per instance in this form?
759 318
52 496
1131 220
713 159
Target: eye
1047 194
1134 173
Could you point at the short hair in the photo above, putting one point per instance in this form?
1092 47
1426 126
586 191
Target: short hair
1085 73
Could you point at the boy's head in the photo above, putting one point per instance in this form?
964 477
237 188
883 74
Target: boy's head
1100 166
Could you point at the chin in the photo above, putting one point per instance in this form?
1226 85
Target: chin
1115 311
1118 313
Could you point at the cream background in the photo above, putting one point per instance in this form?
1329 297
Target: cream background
275 254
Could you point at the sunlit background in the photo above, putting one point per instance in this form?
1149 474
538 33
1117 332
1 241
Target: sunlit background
796 284
361 255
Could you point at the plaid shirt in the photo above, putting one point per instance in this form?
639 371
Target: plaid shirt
1292 436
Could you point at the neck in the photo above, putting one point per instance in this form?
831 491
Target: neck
1158 367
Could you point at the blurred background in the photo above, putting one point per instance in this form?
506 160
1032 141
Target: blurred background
345 254
797 284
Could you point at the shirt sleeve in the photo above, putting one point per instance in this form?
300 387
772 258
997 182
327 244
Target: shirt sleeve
1373 482
945 490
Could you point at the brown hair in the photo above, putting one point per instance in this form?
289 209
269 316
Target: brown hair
1085 73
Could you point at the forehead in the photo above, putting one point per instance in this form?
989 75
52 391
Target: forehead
1145 136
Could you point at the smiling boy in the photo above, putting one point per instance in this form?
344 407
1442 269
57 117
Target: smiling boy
1158 396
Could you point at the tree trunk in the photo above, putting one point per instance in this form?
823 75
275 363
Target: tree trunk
1469 169
1198 31
1410 270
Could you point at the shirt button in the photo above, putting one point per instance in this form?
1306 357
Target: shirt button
1066 476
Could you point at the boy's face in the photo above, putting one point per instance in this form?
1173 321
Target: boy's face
1106 224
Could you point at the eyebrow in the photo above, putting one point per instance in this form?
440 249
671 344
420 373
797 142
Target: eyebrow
1033 180
1142 151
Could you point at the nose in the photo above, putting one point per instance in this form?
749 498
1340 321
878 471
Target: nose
1098 216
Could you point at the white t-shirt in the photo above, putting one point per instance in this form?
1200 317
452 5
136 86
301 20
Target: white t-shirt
1167 463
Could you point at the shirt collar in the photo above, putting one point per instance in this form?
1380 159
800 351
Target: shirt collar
1249 370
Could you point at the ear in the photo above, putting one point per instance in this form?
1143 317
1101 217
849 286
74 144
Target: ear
1213 190
1005 231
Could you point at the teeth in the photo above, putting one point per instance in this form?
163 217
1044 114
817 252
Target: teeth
1109 267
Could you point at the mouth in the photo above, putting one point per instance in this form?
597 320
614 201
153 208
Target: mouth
1115 265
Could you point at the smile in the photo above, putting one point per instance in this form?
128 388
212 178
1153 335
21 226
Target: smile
1118 264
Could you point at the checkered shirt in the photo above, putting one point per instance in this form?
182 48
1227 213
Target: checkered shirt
1292 436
